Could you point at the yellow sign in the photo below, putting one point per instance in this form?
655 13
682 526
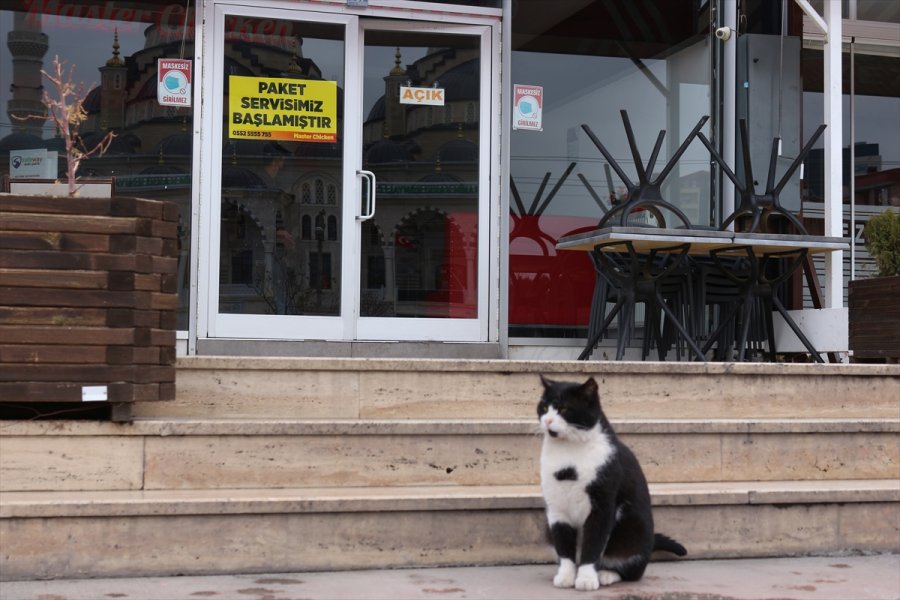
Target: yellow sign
282 109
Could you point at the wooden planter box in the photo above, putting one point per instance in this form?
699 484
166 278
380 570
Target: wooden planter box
88 294
875 318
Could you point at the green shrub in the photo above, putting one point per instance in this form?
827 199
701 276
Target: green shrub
882 235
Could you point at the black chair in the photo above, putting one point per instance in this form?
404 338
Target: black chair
646 194
756 297
714 295
757 287
655 279
760 207
659 278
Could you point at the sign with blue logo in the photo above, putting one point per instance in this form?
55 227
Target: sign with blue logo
32 164
174 82
528 107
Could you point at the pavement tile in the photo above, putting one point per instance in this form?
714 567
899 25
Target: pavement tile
811 578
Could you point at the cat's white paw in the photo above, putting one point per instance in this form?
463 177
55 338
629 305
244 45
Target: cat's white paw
609 577
565 576
587 581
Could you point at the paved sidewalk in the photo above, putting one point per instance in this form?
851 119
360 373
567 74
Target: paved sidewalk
831 578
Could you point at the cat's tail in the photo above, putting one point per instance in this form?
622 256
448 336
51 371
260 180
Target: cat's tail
667 544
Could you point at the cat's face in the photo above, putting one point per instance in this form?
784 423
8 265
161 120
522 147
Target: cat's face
567 409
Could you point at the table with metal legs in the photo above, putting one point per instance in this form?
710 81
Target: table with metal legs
645 257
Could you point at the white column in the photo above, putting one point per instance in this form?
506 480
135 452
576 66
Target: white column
834 261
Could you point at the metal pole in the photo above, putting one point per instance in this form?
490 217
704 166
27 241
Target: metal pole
728 72
505 131
198 305
852 159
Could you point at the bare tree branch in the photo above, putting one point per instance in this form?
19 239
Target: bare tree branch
65 106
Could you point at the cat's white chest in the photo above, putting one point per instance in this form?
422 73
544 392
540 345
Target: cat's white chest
567 468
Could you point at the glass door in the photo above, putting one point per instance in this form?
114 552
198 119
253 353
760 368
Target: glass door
347 179
422 267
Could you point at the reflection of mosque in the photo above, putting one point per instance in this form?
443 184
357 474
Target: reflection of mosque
151 155
418 251
426 159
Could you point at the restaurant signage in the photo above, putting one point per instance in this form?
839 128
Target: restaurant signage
272 108
422 95
153 181
443 188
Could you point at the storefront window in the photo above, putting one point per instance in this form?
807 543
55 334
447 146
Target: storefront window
884 11
593 60
284 189
871 123
113 50
878 10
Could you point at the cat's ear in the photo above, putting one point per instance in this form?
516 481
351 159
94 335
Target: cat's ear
589 388
547 383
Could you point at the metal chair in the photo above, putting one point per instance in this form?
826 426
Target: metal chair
645 193
757 289
657 279
760 207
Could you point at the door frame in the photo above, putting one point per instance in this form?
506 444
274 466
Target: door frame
435 329
348 325
216 324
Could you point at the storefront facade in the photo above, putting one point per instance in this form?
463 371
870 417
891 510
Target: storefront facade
390 178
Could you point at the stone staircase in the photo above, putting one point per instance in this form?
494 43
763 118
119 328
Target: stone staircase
275 465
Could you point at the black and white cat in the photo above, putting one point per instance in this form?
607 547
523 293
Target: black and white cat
596 494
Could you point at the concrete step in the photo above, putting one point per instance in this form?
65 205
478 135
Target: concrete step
274 465
168 532
152 454
312 388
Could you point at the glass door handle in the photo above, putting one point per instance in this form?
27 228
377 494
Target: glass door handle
370 205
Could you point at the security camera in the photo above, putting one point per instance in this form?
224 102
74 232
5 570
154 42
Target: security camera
724 33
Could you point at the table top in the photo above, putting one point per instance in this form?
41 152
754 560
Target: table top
781 242
701 241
